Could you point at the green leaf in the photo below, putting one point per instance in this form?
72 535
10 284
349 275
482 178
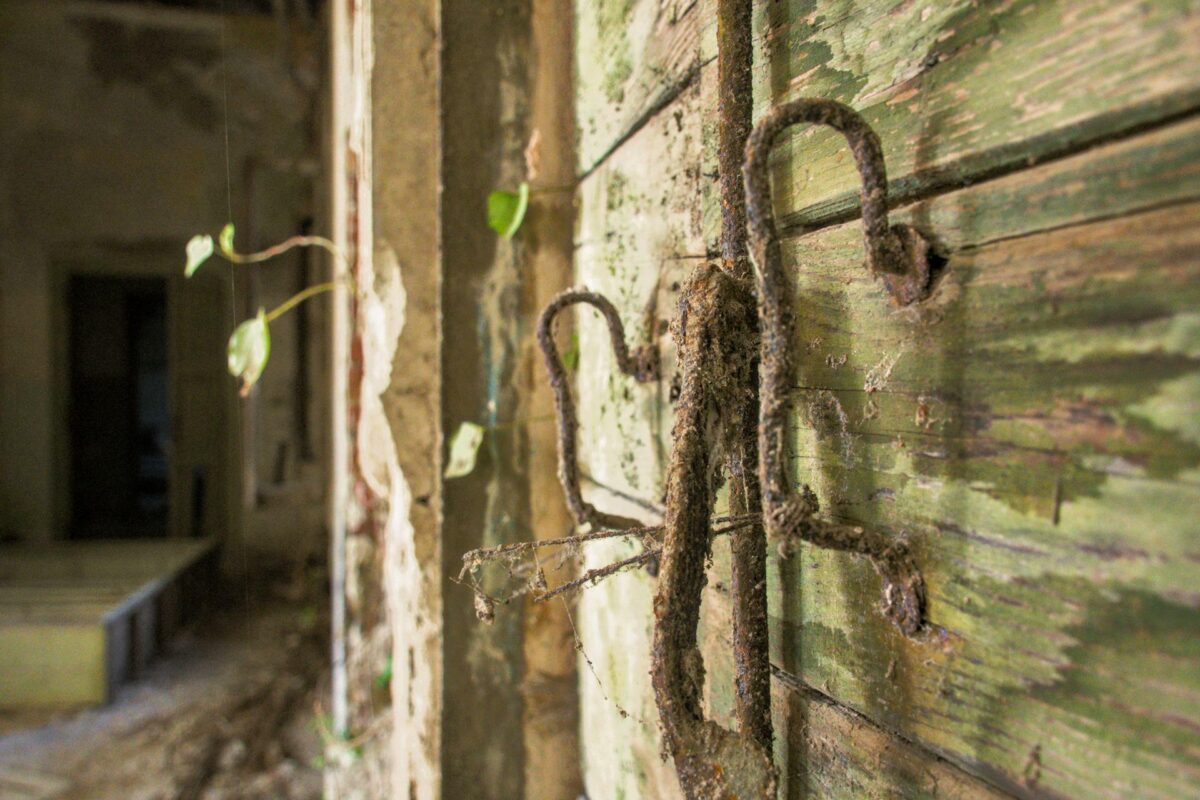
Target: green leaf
570 358
199 248
464 446
226 240
249 349
506 210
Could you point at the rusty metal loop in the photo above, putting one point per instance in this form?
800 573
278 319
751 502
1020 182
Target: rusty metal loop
748 549
639 363
897 253
893 252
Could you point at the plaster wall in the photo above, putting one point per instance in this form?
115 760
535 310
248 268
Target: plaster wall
113 153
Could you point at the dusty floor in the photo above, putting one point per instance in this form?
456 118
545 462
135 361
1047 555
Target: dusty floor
230 711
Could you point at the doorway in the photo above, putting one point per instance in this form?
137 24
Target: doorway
119 407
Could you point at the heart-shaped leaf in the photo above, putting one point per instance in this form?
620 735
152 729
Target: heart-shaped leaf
249 349
199 248
226 240
464 446
506 210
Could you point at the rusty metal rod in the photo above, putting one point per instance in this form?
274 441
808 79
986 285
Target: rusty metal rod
896 252
748 563
640 363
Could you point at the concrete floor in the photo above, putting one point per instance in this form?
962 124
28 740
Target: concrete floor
230 711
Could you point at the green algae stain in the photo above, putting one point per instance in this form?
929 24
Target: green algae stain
612 22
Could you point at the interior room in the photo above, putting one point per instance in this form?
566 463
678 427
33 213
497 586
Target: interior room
599 399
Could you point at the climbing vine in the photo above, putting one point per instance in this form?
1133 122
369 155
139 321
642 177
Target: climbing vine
249 345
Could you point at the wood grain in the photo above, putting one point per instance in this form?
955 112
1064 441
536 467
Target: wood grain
1031 429
961 90
633 58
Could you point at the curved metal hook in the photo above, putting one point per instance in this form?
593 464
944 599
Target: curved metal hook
897 253
716 331
641 364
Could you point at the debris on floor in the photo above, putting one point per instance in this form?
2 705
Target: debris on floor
230 711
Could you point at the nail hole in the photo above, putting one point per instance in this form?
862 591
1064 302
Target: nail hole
938 262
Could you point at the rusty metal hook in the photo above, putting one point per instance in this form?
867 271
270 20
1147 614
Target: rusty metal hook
719 327
641 363
716 332
897 253
713 332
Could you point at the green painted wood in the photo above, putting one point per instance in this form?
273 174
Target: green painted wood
1031 430
632 58
1036 441
618 720
836 754
867 369
638 213
1007 439
958 90
824 750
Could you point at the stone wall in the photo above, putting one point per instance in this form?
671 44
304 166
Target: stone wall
435 105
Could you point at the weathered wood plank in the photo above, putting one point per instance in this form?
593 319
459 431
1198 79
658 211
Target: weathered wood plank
1031 430
843 307
632 57
960 90
1119 178
823 749
1069 337
833 753
1043 336
619 730
638 212
1047 480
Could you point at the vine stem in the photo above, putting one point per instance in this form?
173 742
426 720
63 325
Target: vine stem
283 247
300 297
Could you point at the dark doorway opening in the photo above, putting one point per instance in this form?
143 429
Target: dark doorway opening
120 420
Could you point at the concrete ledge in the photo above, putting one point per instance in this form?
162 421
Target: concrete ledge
78 620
